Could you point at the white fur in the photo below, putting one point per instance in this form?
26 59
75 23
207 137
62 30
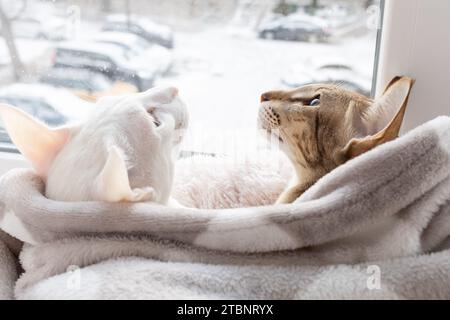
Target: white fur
11 224
118 154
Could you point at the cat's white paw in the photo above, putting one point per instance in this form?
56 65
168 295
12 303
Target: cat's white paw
142 194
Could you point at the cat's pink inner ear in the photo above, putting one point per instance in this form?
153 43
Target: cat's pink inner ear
384 119
387 107
37 142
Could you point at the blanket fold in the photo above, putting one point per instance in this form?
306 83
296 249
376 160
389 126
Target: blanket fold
388 208
9 267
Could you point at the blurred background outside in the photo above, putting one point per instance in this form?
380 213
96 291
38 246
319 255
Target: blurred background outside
58 57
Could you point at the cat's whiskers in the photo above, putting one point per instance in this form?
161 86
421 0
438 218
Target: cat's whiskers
319 137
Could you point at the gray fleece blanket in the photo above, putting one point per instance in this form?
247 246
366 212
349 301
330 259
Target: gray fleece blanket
377 227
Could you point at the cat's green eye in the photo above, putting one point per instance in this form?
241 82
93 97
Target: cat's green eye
314 102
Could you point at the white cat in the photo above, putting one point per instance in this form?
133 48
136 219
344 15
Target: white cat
124 151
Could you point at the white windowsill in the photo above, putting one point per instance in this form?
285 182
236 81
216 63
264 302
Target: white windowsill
10 160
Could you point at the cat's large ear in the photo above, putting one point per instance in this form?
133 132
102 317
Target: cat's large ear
383 119
113 185
159 95
37 142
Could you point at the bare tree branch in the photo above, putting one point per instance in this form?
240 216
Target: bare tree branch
18 67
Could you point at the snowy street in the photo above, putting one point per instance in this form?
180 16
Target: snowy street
222 75
220 64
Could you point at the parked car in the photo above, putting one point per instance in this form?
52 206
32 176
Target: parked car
39 27
50 105
5 141
324 70
143 27
336 11
85 84
150 55
295 28
107 59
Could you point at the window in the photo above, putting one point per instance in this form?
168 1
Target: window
415 43
221 54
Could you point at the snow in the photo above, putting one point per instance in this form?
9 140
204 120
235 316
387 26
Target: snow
221 76
149 25
221 73
29 51
62 100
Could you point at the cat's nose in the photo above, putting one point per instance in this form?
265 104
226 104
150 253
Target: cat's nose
265 97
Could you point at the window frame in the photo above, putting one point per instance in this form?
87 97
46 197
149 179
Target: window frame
10 157
412 44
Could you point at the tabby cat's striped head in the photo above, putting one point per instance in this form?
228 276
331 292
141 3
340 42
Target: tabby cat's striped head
322 126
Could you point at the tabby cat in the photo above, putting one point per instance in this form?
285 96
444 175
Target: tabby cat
322 126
